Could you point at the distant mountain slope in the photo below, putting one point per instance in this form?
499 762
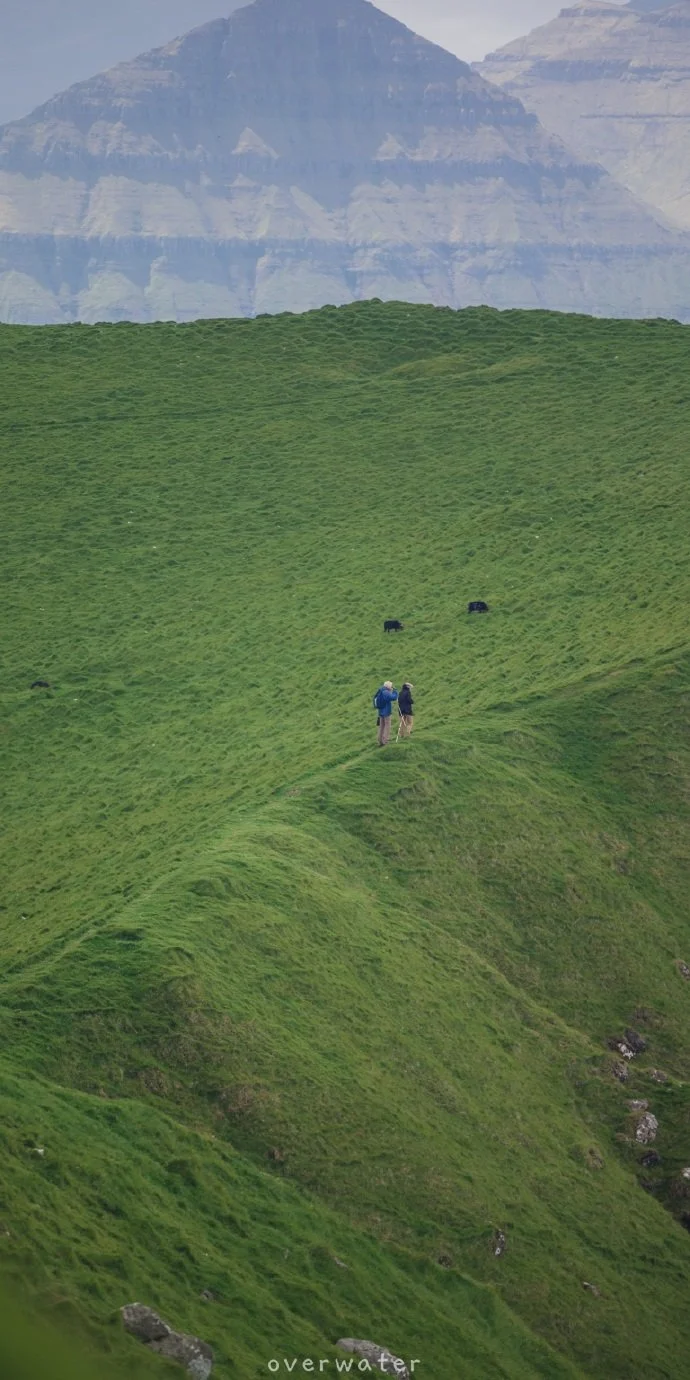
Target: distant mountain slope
46 46
615 83
304 152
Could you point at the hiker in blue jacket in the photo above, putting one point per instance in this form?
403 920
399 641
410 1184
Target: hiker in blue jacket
383 701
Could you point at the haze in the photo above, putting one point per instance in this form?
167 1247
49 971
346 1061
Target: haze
46 45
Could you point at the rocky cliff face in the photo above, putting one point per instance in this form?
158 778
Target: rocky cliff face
615 83
304 152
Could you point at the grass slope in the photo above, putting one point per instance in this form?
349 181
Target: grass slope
270 997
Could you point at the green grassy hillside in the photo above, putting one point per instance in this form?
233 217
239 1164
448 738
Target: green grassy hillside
272 999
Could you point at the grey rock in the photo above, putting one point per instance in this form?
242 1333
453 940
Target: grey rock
304 152
635 1041
593 1288
685 1173
646 1128
621 1072
159 1336
622 1048
195 1355
638 1104
499 1243
615 84
143 1323
683 969
658 1076
379 1356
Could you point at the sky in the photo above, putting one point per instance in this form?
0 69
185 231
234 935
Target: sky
46 45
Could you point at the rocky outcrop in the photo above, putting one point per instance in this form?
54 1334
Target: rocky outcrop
635 1041
646 1128
305 152
615 83
378 1358
159 1336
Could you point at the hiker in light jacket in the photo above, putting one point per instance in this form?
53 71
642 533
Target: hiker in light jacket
385 698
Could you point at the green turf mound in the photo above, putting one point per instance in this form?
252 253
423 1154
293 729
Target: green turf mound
272 999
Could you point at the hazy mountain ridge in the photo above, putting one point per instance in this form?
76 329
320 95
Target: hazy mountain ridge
308 152
614 82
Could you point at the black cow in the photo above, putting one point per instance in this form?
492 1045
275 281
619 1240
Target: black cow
393 625
478 606
40 685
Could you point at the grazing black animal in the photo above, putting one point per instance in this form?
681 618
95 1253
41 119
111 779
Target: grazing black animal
478 606
393 625
40 685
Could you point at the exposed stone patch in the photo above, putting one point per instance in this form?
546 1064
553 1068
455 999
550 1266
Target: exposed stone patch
379 1357
499 1243
622 1048
190 1352
635 1041
144 1324
159 1336
646 1129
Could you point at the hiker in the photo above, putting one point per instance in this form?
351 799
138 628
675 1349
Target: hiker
405 709
383 702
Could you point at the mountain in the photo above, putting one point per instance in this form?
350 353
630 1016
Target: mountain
614 82
646 6
46 46
304 152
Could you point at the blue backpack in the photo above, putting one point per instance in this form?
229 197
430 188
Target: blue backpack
375 700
